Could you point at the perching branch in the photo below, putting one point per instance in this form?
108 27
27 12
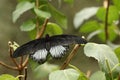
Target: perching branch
11 52
26 61
73 52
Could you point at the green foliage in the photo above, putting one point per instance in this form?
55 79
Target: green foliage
53 29
83 15
111 18
97 27
99 75
21 8
67 74
8 77
27 26
117 52
117 3
111 31
58 16
44 11
105 56
42 14
41 71
69 1
90 26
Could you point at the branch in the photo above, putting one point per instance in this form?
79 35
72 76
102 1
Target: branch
73 52
7 66
106 5
25 62
25 73
11 52
42 30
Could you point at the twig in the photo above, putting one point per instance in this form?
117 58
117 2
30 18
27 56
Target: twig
25 73
26 61
21 61
106 5
11 52
41 32
67 61
7 66
88 74
37 19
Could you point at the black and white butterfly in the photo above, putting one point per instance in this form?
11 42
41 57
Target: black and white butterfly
56 46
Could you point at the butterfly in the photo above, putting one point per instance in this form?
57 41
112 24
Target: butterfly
56 46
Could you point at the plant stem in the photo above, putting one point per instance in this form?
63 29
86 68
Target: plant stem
37 19
7 66
110 71
25 62
25 77
73 52
41 32
106 5
11 52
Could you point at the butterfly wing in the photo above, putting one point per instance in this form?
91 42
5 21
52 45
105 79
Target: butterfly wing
39 48
66 40
58 51
59 44
29 48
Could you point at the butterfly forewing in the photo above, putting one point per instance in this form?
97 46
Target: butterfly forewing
66 40
29 48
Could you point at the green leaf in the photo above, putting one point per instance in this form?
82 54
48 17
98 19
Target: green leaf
117 3
82 76
7 77
102 53
99 75
83 15
58 16
27 26
89 26
21 8
42 14
32 34
69 1
53 29
117 52
43 70
67 74
111 33
113 14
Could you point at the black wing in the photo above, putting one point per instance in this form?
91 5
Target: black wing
29 48
56 45
66 40
59 44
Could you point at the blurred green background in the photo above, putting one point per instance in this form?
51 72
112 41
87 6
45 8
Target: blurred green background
10 31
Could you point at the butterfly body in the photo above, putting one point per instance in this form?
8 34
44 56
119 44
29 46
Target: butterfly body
56 46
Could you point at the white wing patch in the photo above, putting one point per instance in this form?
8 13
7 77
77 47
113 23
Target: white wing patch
40 54
57 51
